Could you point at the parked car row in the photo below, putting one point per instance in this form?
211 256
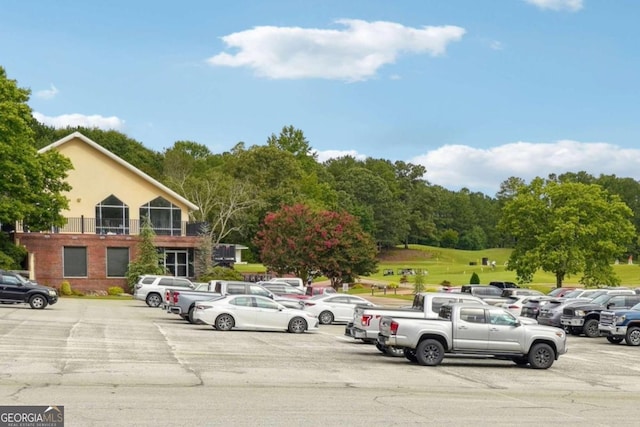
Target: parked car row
225 305
522 326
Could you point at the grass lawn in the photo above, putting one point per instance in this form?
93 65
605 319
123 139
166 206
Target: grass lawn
455 267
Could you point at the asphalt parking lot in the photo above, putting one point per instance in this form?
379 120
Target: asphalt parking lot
121 363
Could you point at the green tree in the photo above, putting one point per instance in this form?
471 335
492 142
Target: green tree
148 260
33 184
566 228
475 279
299 240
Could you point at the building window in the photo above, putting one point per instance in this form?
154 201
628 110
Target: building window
165 217
74 261
112 216
117 262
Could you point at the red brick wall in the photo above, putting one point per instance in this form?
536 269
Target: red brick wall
47 251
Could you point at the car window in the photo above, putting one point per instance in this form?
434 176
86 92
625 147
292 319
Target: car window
438 302
234 288
166 281
501 317
358 300
340 299
147 280
263 303
182 283
242 301
472 315
258 290
10 280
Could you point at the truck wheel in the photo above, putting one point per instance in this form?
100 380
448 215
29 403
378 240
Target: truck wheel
633 336
224 322
429 352
381 348
38 302
541 356
297 325
153 300
190 315
326 318
590 328
520 361
394 352
410 355
614 339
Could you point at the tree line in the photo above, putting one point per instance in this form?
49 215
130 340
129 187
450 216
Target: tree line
392 202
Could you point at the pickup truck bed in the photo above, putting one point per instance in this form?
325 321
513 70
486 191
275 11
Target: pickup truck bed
426 305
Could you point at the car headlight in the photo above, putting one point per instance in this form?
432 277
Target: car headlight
579 313
621 319
52 293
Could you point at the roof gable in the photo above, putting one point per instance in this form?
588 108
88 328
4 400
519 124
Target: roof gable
125 164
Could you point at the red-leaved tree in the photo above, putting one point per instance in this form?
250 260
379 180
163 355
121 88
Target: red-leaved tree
299 240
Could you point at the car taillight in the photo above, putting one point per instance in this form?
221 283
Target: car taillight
175 297
167 296
394 328
513 306
366 319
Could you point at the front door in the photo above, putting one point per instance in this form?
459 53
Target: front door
504 335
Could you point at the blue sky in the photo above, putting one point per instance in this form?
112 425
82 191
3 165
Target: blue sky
475 90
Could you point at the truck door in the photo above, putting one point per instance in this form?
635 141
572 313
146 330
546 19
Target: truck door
471 331
504 335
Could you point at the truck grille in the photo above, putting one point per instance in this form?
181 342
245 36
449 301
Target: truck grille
567 312
607 318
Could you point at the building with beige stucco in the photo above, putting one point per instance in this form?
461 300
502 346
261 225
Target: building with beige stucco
107 203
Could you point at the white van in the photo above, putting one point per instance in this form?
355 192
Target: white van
296 282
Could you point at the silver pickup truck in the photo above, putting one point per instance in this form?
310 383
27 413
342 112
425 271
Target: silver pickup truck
426 305
473 330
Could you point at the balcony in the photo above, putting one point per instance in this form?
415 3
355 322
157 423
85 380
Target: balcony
84 225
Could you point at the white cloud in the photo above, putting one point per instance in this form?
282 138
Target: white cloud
323 156
458 166
354 53
496 45
48 93
570 5
73 120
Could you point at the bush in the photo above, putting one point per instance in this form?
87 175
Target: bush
65 289
445 283
115 290
393 285
221 273
357 286
475 279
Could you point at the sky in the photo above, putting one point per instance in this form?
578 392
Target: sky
477 91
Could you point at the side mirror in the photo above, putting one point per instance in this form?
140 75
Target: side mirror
517 324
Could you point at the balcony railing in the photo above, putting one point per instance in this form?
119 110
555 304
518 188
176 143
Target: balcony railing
84 225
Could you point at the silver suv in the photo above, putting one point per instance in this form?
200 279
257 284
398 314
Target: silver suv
151 288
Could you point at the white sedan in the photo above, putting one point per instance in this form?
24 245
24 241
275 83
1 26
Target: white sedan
252 312
334 307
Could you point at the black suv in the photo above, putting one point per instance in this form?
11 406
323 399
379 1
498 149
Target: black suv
504 285
16 289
